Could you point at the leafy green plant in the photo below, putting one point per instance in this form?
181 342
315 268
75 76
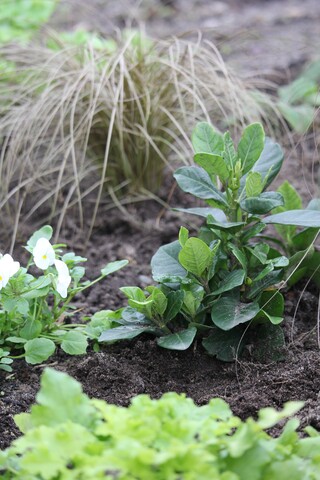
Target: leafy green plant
21 19
298 100
228 278
98 118
67 435
35 311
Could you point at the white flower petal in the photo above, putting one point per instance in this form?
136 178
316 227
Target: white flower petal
8 267
64 278
43 254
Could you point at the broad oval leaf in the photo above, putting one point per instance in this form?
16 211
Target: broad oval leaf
251 146
197 182
175 302
31 329
254 184
165 262
74 343
300 218
263 203
232 280
125 332
195 256
206 139
38 350
178 341
214 165
228 312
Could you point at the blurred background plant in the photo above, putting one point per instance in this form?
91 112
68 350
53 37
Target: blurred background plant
299 99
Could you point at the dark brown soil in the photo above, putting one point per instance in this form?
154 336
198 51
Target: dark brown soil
126 369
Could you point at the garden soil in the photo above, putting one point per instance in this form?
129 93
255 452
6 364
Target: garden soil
120 371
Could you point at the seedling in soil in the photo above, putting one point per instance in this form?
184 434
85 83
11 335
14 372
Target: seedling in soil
228 278
36 311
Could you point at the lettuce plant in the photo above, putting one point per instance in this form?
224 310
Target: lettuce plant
35 310
68 436
229 277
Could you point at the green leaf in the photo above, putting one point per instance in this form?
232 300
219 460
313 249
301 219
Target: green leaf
160 302
270 280
204 212
301 218
251 146
228 312
292 200
226 346
195 256
38 350
134 293
193 296
262 204
206 139
126 332
74 343
31 329
232 226
183 236
254 184
214 165
44 232
178 341
229 154
232 280
165 262
197 182
240 256
113 267
22 305
272 305
268 164
175 302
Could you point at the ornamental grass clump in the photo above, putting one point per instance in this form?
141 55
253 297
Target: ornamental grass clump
85 120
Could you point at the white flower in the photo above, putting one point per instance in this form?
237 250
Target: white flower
43 254
8 267
64 278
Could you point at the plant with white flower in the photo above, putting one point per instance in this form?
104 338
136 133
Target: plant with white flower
34 309
8 268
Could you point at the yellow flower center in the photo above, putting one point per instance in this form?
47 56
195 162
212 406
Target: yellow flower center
1 278
44 257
